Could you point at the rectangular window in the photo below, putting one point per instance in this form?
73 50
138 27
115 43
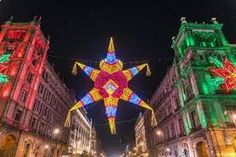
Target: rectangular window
18 115
188 89
41 89
172 130
29 77
45 75
41 109
36 105
45 111
23 96
35 61
181 126
15 35
32 122
8 51
177 102
42 128
194 119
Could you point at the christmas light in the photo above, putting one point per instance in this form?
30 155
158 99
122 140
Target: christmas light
226 75
3 60
110 84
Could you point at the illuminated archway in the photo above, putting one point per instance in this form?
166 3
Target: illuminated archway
201 149
8 146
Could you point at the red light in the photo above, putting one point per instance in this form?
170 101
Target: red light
228 72
6 90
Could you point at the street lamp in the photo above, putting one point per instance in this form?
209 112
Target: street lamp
56 131
141 144
159 132
46 146
167 151
234 116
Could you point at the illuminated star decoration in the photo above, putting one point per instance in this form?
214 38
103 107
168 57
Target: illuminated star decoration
3 60
226 74
110 84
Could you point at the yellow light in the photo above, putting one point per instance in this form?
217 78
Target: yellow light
46 146
159 132
234 116
56 131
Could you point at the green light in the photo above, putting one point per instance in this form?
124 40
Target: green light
4 58
202 117
184 97
190 41
204 88
3 78
187 126
217 81
215 61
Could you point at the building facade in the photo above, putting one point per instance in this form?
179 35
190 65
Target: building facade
83 137
33 100
140 137
80 134
195 108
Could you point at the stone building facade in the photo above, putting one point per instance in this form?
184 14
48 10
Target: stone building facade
34 101
83 137
140 137
196 115
81 133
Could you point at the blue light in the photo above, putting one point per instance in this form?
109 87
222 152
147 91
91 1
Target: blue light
134 99
109 86
87 99
111 58
88 70
111 111
134 71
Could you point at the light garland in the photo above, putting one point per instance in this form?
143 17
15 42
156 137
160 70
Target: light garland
3 59
110 84
226 74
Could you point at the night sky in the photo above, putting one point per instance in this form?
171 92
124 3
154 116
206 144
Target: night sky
141 31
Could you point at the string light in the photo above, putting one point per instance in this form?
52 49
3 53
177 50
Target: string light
3 60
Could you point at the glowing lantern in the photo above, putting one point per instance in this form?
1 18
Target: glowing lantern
110 84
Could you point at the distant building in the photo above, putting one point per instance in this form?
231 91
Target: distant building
196 115
80 134
94 143
140 137
83 137
34 101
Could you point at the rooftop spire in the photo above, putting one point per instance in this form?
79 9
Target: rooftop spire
111 48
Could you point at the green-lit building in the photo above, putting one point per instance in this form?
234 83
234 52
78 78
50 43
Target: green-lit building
195 103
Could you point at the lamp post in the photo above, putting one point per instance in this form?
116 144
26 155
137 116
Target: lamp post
160 134
46 147
167 152
234 118
56 131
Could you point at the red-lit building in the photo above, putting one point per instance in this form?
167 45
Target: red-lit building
34 102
